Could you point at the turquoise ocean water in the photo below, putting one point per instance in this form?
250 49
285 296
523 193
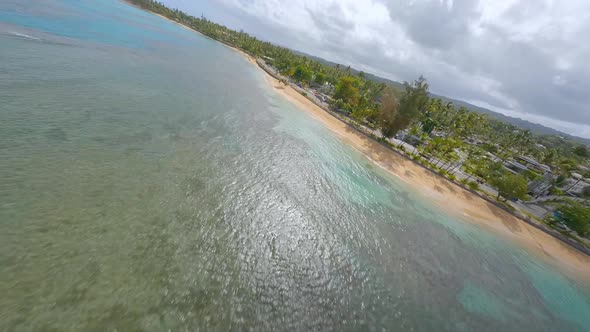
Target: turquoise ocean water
151 181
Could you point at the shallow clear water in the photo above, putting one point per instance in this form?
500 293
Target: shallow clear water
150 181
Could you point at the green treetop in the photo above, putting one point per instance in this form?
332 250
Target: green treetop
510 186
347 91
576 216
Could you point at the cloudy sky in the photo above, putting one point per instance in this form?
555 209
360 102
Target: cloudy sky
524 58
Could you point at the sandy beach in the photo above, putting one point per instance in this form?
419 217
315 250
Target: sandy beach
447 195
438 190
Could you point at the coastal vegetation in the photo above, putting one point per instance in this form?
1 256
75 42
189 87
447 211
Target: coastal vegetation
510 186
462 145
576 216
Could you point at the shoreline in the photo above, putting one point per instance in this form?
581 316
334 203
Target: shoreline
250 58
445 194
441 192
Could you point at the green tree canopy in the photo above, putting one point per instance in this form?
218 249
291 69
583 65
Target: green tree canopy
567 165
581 151
576 216
302 74
388 113
428 125
412 102
531 175
365 114
548 156
561 180
510 185
347 90
320 78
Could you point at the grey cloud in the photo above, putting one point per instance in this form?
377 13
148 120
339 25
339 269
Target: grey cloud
527 73
520 11
523 69
330 19
434 23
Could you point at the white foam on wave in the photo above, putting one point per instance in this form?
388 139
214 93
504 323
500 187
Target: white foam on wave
22 35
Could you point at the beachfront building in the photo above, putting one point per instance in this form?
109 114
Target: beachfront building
533 164
326 89
541 186
493 157
515 167
576 185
